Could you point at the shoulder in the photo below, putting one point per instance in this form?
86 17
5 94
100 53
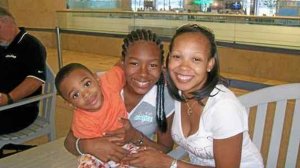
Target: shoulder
224 114
30 39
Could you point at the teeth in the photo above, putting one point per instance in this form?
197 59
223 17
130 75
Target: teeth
184 78
142 83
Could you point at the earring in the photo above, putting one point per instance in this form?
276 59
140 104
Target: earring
208 70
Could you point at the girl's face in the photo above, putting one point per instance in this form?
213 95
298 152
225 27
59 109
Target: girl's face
189 61
142 66
82 90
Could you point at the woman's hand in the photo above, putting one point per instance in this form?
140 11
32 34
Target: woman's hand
148 157
103 148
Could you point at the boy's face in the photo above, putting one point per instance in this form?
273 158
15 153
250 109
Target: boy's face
82 90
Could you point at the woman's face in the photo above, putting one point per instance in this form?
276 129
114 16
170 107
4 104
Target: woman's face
142 66
189 61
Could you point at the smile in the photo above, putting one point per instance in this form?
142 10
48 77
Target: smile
184 78
142 83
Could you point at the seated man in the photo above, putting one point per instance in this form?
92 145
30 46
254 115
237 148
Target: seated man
22 73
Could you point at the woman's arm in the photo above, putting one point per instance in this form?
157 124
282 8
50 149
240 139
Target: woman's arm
227 153
101 147
152 158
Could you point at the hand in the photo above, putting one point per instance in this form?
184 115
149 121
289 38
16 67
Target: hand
103 148
125 134
148 157
3 99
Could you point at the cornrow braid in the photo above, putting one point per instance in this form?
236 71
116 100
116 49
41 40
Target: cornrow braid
141 34
148 35
160 104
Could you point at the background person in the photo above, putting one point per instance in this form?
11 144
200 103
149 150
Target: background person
209 122
22 73
146 101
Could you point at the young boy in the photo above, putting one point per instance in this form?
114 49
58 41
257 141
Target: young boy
97 101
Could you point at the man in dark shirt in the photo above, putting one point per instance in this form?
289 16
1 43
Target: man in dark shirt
22 73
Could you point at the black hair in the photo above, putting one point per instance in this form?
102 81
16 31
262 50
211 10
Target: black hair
65 71
213 76
148 35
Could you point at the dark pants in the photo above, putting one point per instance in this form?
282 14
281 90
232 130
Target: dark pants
15 119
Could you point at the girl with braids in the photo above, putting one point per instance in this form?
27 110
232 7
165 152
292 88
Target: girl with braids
209 121
150 108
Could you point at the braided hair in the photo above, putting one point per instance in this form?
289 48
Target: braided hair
149 36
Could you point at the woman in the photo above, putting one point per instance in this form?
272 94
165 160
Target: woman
142 61
209 122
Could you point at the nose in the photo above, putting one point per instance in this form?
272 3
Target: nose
85 93
143 70
184 65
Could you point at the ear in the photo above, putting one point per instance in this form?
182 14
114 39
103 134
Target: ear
122 63
211 64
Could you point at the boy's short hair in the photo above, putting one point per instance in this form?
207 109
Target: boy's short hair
65 71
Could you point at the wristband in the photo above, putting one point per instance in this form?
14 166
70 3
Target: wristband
174 164
9 99
77 146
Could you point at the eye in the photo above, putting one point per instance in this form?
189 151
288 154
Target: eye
153 65
175 56
133 63
75 95
195 59
87 84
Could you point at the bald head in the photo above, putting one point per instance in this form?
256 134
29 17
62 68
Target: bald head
5 13
8 27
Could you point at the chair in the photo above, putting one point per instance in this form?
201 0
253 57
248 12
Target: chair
45 122
276 127
274 124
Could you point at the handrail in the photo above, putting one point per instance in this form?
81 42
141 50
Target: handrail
175 13
27 100
278 31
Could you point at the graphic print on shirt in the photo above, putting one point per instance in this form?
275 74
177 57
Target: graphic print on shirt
144 117
200 149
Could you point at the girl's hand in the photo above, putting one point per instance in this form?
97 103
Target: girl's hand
125 134
103 148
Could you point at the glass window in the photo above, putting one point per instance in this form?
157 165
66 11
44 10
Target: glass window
169 4
92 4
137 5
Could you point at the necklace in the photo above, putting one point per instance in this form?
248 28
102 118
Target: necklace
190 107
189 110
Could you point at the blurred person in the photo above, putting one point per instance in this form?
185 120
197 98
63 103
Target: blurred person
22 73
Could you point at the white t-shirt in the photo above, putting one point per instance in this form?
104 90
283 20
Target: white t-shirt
223 116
